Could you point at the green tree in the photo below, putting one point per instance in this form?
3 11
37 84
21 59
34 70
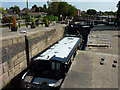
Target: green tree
61 8
53 8
111 13
16 9
2 10
34 6
72 11
91 12
44 8
11 7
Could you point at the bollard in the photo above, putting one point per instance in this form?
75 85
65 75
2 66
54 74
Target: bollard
115 61
102 59
101 62
114 64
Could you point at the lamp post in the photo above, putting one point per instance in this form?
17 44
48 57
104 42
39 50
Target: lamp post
118 11
27 6
27 14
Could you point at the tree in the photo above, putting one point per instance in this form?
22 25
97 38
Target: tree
72 11
16 9
53 8
91 11
2 10
61 8
44 8
34 6
11 7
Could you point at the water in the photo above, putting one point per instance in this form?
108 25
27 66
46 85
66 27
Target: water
99 6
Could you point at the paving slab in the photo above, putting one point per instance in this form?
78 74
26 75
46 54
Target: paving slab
86 71
80 73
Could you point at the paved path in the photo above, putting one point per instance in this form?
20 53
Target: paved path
80 73
6 33
86 71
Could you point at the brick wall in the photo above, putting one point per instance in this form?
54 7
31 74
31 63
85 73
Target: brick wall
13 51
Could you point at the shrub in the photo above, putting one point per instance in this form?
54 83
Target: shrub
7 19
33 23
55 18
14 26
46 23
14 23
27 18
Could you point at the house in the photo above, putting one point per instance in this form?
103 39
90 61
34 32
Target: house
32 13
79 12
9 11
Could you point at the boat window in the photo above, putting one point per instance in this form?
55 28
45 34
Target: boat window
53 65
57 66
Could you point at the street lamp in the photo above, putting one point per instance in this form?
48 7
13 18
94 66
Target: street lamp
27 14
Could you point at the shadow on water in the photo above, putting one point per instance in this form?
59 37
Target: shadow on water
15 83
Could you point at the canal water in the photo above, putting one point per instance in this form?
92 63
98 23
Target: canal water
15 83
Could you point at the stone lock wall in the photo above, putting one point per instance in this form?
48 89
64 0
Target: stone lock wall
13 51
39 41
13 58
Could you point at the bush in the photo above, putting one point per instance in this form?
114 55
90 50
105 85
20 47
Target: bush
39 16
7 19
14 23
33 23
51 18
18 19
27 18
55 18
46 22
14 26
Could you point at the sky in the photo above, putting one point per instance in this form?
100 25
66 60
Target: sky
62 0
99 5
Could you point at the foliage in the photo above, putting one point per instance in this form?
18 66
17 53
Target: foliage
44 9
18 18
61 8
55 18
39 16
16 9
2 10
53 8
46 22
33 21
38 9
7 19
91 12
27 18
14 23
50 18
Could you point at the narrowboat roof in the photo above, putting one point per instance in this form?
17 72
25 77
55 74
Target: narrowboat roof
59 50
